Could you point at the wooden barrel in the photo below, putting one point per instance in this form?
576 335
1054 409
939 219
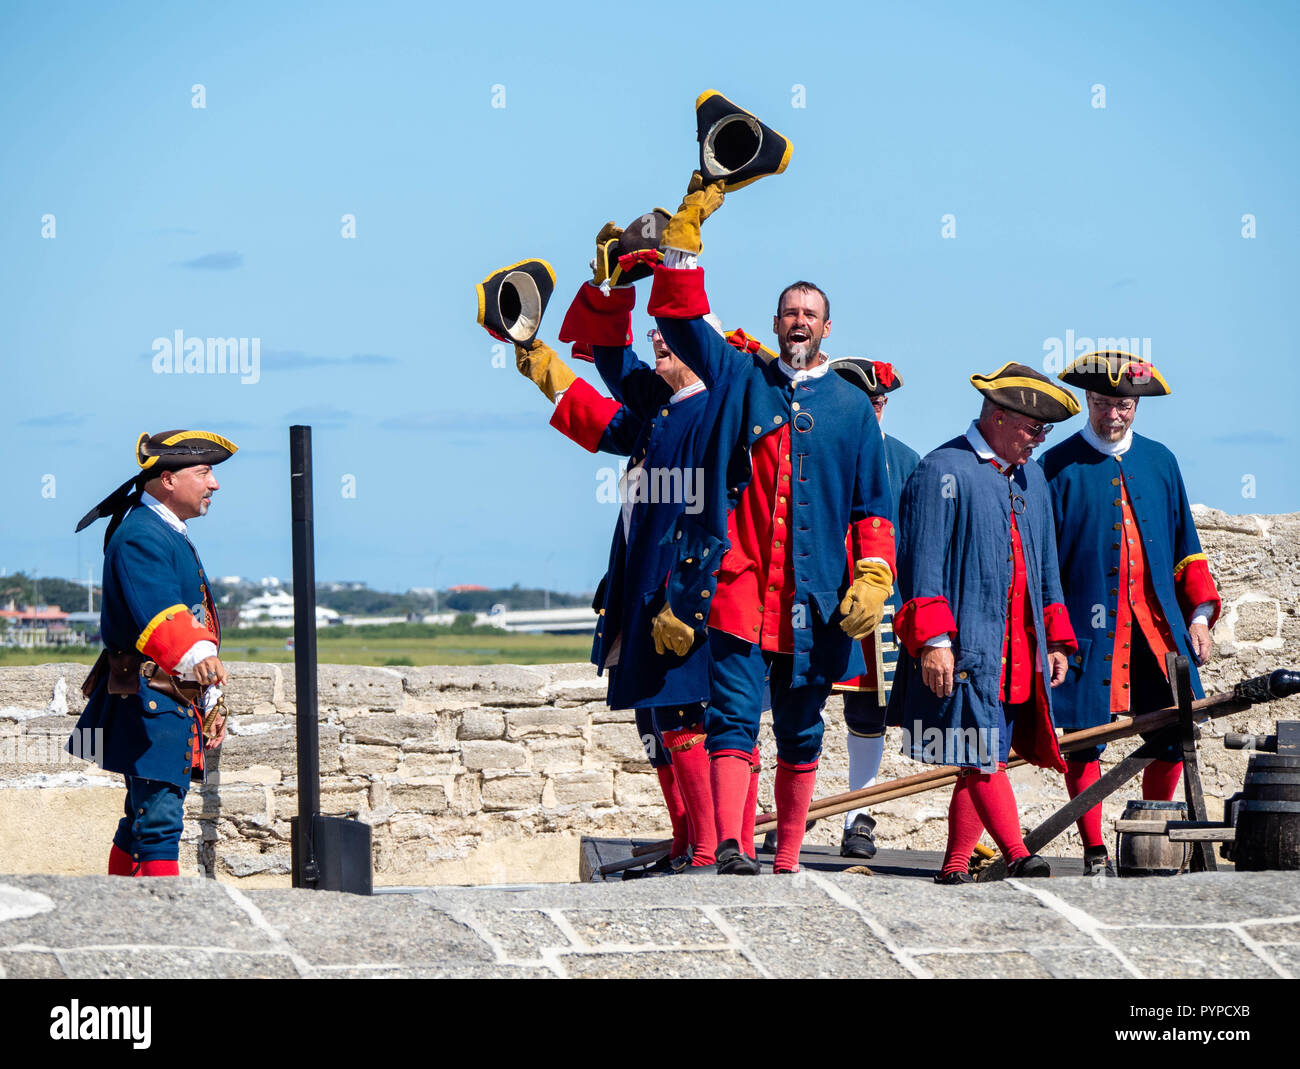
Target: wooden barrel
1268 814
1143 854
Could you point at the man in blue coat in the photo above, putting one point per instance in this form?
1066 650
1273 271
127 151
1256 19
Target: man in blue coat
984 630
155 691
1136 583
654 420
873 660
794 466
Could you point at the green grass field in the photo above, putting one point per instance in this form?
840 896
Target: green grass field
360 648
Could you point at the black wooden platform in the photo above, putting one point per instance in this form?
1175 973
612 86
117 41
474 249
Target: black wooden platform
913 864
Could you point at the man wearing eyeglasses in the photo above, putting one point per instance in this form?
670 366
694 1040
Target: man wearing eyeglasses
1136 583
984 632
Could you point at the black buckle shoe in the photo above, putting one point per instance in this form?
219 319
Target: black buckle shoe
733 862
1028 867
954 878
1096 862
859 838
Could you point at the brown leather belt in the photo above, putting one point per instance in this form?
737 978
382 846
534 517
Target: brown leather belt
126 668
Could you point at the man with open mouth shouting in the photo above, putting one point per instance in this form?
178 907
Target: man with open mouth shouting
793 466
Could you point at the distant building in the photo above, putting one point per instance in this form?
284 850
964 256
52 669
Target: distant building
276 610
34 627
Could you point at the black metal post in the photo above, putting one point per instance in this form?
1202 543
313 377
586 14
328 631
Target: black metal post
306 872
329 853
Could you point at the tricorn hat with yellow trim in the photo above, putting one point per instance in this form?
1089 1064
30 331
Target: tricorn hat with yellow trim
511 301
1029 392
875 377
1115 373
154 454
734 146
633 253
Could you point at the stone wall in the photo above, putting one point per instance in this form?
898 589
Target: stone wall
492 774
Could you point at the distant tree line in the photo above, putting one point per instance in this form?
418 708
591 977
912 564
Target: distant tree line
70 596
65 594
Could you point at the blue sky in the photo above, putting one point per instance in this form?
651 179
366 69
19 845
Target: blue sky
225 221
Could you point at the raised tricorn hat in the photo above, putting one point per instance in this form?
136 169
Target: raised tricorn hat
511 301
734 146
874 377
633 254
1115 373
1029 392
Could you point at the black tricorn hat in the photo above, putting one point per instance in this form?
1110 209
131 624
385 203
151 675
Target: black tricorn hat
633 254
734 145
1029 392
1115 373
875 377
511 301
154 454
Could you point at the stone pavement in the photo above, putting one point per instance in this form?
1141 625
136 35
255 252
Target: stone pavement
1229 925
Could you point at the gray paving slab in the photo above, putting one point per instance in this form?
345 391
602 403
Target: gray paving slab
1080 963
1189 953
824 924
111 911
969 917
661 927
520 933
813 941
255 966
1274 931
119 964
30 965
1008 965
715 890
1200 898
1288 957
332 928
660 965
432 972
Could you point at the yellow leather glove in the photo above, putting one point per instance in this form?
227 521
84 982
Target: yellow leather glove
701 201
600 266
670 633
864 602
539 363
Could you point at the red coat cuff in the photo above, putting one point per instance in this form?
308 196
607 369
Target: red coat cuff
1195 585
1059 630
595 319
169 635
582 351
921 619
874 537
678 293
582 414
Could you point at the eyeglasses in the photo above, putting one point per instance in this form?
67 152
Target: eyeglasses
1105 404
653 335
1034 430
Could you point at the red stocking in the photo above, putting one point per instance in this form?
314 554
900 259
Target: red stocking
794 791
1079 776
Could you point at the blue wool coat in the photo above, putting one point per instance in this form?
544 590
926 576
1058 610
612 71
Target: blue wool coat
955 542
667 441
153 583
1085 491
839 478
